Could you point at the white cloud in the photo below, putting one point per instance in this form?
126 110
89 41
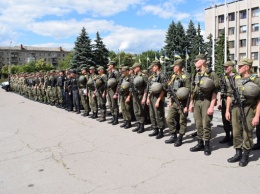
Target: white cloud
165 10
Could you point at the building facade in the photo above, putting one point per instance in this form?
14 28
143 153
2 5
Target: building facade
239 21
19 55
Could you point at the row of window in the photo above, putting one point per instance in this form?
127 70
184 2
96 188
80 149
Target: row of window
242 29
254 56
242 15
242 43
29 59
15 54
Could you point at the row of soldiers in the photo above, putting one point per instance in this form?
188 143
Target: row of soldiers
141 96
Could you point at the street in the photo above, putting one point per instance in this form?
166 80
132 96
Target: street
46 150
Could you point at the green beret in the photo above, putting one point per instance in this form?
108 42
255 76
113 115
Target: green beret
228 63
92 68
84 68
100 67
201 57
245 61
179 62
136 65
111 63
125 68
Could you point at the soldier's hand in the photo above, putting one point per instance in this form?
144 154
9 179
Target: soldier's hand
170 103
127 99
255 121
148 102
227 115
210 111
143 101
185 110
115 96
219 107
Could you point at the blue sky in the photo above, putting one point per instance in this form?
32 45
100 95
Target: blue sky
128 25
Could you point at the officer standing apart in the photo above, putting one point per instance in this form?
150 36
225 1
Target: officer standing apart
203 102
248 88
156 99
112 91
180 84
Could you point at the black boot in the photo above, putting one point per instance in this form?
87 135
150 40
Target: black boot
128 125
179 141
123 125
112 121
226 139
95 115
155 132
236 157
245 156
172 139
102 119
77 111
137 128
87 113
91 116
194 134
256 146
141 128
207 150
115 121
160 134
198 147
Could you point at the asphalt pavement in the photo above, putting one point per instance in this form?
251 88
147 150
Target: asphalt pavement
46 150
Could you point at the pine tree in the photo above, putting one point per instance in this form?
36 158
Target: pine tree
100 51
170 45
180 40
82 51
191 34
219 54
209 46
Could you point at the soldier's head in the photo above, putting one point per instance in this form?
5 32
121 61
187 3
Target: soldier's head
100 70
84 71
111 65
244 66
200 61
178 65
136 67
156 65
125 71
73 72
228 67
92 70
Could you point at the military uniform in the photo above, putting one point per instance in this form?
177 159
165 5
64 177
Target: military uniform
83 92
202 97
175 113
157 115
60 91
75 91
92 94
242 138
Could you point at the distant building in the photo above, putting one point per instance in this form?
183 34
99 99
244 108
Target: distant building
19 55
241 19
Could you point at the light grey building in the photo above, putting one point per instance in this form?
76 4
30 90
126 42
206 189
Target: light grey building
18 55
239 21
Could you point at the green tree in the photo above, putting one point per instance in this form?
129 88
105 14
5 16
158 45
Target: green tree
65 64
83 51
219 54
170 43
180 40
209 46
100 51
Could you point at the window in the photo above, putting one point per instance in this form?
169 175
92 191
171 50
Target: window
221 31
221 19
255 70
242 14
231 16
254 56
255 12
255 27
231 44
255 41
242 55
242 29
242 43
231 31
232 57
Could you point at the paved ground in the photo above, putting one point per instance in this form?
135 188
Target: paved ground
50 151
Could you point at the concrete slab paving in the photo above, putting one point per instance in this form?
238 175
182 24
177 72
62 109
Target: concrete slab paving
48 150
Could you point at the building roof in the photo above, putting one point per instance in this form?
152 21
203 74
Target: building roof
222 4
32 48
